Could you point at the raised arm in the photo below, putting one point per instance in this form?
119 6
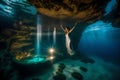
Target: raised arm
62 27
72 28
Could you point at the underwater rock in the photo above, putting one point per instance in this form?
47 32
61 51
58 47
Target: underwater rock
61 66
59 71
17 45
75 9
22 38
77 76
83 69
59 77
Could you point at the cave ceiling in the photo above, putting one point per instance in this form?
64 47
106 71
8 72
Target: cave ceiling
75 9
67 10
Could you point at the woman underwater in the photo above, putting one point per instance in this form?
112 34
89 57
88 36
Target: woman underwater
67 30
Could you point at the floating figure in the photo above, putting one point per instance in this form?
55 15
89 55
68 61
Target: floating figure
67 30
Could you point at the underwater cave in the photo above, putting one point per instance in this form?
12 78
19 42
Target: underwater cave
59 39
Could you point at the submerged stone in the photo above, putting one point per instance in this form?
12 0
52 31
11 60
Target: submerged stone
77 75
83 69
59 77
59 71
61 66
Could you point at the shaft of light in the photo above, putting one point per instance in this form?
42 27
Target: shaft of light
39 33
54 37
48 35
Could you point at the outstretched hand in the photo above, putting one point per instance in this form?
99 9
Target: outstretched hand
62 27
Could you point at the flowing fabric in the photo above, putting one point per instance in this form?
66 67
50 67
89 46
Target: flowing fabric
69 50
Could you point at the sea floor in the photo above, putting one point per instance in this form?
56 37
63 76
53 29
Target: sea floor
71 69
100 70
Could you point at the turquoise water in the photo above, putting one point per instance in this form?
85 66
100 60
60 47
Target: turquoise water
33 60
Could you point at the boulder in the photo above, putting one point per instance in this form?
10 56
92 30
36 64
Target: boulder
59 77
61 66
59 71
83 69
77 75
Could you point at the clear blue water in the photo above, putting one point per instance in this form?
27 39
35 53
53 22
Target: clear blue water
101 39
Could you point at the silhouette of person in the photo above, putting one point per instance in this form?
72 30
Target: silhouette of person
67 30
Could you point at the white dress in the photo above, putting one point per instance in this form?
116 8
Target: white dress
69 50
